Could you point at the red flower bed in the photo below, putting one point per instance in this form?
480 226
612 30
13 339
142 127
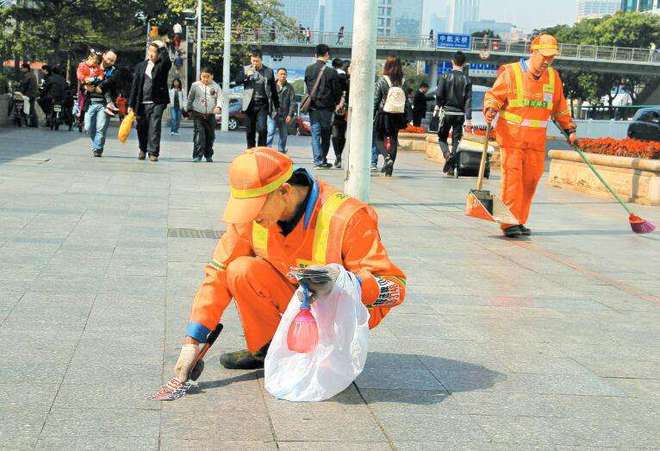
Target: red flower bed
621 147
479 131
413 129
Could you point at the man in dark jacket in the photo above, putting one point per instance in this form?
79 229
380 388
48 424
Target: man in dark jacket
259 98
419 104
281 119
149 98
340 123
323 103
454 98
30 88
98 111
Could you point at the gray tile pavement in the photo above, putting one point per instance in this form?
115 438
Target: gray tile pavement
547 343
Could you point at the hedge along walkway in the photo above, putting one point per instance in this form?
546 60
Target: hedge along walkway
547 342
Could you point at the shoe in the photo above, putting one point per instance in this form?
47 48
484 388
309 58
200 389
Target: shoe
176 133
197 159
374 168
209 159
153 158
322 166
98 153
171 133
524 230
512 232
244 360
142 155
338 163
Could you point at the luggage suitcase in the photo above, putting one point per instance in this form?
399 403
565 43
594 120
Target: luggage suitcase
467 163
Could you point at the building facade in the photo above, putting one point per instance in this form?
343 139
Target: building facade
592 9
461 11
641 6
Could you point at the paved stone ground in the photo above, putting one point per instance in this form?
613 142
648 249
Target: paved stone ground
546 343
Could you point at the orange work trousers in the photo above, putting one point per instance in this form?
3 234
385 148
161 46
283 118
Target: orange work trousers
521 171
262 295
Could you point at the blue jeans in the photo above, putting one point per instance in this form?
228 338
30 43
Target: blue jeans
175 119
374 153
279 126
96 124
321 122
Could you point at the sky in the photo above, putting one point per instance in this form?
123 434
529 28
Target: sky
526 14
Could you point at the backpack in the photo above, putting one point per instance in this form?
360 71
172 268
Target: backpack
396 99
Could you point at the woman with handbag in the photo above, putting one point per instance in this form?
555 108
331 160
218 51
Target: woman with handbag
392 112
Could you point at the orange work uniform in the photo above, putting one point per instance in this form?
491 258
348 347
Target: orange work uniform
250 264
526 105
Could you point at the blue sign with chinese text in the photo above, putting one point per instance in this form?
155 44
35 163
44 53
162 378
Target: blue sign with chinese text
454 41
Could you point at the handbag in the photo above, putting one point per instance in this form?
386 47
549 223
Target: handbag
306 103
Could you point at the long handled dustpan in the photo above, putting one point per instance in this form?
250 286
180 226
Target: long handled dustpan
482 204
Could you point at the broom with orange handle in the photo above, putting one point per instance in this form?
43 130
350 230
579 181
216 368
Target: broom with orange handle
637 224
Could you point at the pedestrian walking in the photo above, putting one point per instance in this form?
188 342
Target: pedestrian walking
178 100
204 102
340 35
149 98
325 94
291 211
392 112
308 35
259 98
279 122
431 38
99 105
526 95
419 104
454 99
30 89
340 119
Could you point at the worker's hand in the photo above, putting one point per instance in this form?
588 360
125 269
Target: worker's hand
186 360
572 138
490 115
320 280
129 110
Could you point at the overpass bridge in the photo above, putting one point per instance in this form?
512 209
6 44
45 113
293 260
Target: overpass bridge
604 59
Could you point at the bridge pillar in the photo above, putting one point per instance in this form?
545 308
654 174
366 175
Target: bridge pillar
434 74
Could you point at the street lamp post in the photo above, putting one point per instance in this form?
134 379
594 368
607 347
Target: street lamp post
361 114
198 57
226 61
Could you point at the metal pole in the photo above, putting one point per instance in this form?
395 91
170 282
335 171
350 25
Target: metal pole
361 114
226 60
198 62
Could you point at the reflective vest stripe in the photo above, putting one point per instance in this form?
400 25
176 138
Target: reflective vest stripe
322 231
519 120
261 191
520 101
260 238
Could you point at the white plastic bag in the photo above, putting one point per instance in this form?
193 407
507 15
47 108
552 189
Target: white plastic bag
339 357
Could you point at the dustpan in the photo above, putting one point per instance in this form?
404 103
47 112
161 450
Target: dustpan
482 204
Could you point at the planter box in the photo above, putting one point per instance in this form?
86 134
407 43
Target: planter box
412 141
469 141
634 179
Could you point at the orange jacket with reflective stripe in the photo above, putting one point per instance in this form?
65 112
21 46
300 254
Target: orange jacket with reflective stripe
335 229
526 105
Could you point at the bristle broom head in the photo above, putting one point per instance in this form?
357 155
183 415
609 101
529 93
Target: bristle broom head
639 225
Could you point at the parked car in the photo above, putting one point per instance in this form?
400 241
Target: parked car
237 118
645 125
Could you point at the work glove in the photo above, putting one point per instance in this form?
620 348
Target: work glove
490 114
319 279
186 361
572 137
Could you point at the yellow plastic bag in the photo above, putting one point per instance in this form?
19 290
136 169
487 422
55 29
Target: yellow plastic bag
125 127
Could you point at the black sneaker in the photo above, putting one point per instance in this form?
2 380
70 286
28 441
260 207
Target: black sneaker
209 159
338 163
153 158
142 155
322 166
98 154
513 232
524 230
244 360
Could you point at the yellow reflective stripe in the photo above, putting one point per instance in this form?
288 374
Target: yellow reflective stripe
550 87
259 237
517 72
263 190
217 265
534 123
544 47
322 230
511 117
